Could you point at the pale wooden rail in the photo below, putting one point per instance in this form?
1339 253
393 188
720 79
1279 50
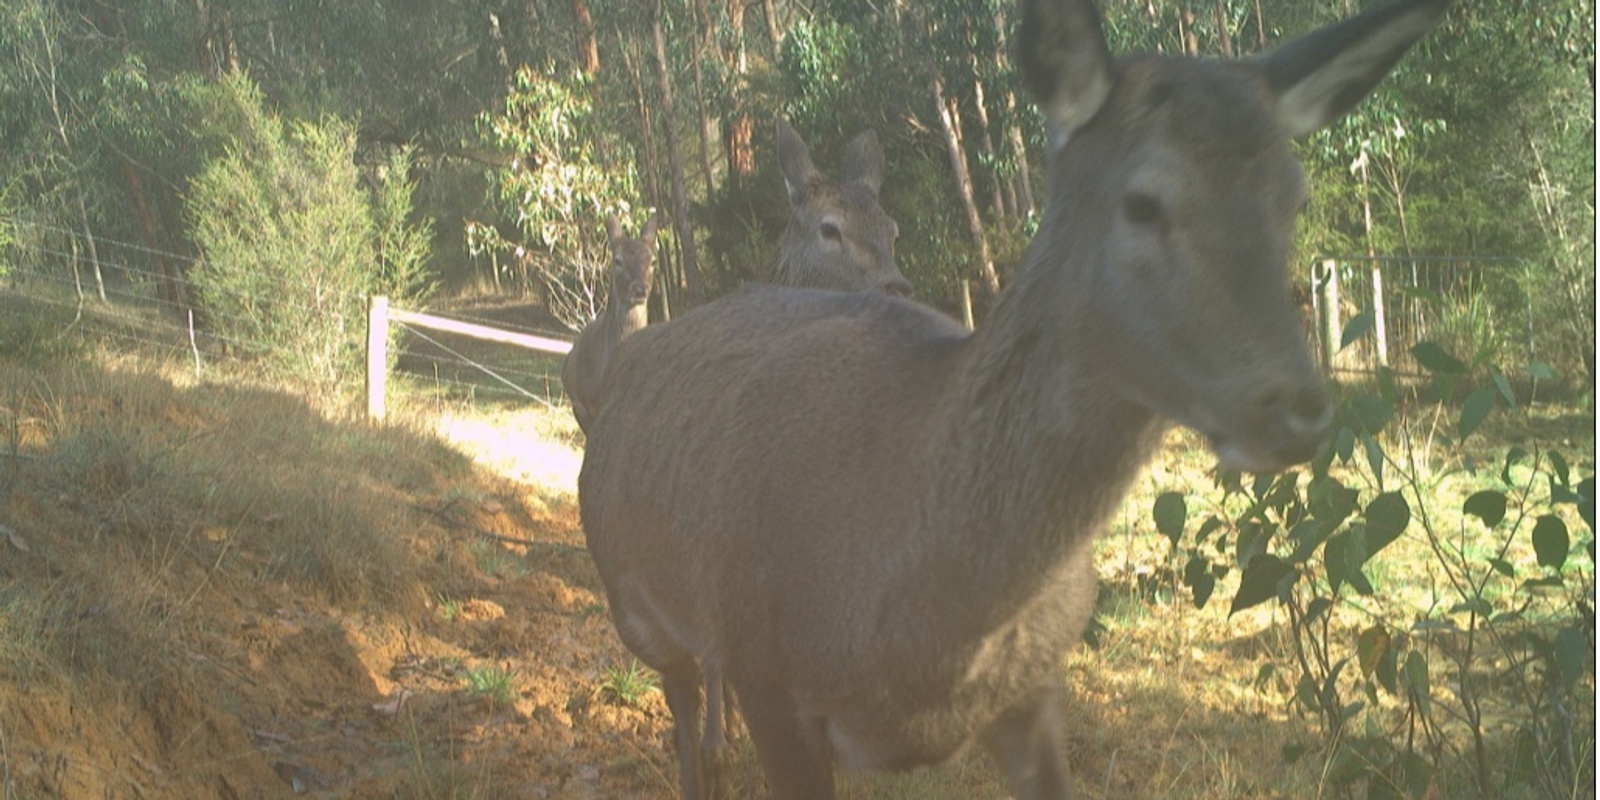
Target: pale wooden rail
379 315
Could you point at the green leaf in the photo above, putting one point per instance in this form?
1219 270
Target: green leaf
1550 541
1503 386
1586 501
1357 326
1474 411
1261 486
1488 505
1503 567
1368 413
1572 654
1207 528
1260 581
1386 388
1203 588
1370 648
1434 359
1414 679
1558 465
1389 669
1513 456
1305 692
1170 513
1306 536
1197 576
1542 371
1387 517
1330 501
1413 773
1315 610
1344 556
1252 542
1344 444
1374 452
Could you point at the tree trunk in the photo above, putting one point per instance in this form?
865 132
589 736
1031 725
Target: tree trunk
997 197
216 52
652 161
1020 187
1025 204
958 165
172 290
588 48
704 130
1261 29
769 9
681 224
737 129
1224 36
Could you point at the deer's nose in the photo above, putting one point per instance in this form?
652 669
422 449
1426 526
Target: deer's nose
1299 415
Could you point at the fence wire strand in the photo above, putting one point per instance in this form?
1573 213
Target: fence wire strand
136 317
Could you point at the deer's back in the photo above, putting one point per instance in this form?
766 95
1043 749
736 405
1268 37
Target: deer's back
744 430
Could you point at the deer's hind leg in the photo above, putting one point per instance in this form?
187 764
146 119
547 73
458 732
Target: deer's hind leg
1026 741
680 682
714 744
795 754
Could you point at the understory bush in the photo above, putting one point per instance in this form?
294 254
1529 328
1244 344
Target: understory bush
296 235
1439 592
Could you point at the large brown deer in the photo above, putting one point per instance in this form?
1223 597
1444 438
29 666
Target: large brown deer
838 235
876 526
627 310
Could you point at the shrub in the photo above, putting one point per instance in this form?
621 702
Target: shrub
293 244
1439 599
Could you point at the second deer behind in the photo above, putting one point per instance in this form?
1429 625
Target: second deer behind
627 310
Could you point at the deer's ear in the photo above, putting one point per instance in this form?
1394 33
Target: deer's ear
648 235
1319 77
795 160
1065 62
613 230
863 161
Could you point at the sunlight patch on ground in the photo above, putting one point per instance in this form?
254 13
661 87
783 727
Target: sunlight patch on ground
522 445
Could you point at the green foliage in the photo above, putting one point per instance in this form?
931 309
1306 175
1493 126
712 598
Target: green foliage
627 685
568 169
1506 621
293 245
492 682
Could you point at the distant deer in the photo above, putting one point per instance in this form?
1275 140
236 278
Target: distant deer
632 264
838 236
876 526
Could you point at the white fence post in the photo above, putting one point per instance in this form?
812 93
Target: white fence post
377 355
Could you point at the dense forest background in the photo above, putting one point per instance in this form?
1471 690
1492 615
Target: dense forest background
476 145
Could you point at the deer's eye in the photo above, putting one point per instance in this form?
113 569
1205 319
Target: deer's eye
1143 209
831 232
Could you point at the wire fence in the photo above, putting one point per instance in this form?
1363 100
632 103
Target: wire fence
1385 305
49 269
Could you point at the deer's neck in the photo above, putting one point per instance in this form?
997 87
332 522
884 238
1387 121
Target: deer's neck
623 320
1048 449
